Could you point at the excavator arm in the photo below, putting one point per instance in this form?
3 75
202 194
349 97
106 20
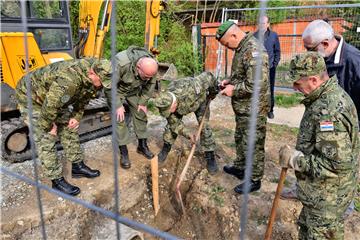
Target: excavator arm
91 36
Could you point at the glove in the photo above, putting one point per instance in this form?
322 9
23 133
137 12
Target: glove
288 158
285 154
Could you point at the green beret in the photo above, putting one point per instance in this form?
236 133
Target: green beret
223 28
103 69
306 64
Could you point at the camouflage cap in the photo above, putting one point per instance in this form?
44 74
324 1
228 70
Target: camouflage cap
223 29
103 69
306 64
163 102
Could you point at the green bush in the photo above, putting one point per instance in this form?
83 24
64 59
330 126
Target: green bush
286 100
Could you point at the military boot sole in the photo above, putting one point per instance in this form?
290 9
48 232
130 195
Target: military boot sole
142 153
74 193
82 175
125 166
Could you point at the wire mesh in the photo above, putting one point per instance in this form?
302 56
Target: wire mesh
289 23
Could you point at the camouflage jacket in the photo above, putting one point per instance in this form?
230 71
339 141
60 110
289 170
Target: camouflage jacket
58 86
328 137
191 93
129 82
243 71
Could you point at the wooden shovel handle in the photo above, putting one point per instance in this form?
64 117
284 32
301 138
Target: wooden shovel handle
275 203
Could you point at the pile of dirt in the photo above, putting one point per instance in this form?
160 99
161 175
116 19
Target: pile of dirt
212 208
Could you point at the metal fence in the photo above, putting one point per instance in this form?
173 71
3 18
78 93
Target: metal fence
289 23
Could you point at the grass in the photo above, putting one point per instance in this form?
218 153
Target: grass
288 100
281 130
215 195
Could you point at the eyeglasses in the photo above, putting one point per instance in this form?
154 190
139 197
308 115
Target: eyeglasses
312 49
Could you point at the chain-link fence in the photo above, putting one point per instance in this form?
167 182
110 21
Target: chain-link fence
289 23
291 44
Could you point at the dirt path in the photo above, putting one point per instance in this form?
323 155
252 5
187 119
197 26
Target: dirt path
288 116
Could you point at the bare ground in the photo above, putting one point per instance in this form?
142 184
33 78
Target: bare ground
212 208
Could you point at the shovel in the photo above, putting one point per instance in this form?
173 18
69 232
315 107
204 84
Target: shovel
183 173
275 204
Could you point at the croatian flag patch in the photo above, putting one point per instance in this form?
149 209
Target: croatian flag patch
326 126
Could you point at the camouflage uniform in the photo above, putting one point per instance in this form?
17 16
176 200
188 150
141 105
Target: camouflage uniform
242 77
60 92
133 90
191 96
327 173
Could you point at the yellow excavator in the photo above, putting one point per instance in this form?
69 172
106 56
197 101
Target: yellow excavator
49 39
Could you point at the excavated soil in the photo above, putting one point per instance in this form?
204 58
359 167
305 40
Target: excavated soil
212 208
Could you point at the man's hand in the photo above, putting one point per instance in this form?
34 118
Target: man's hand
228 90
53 131
224 83
73 123
285 154
142 108
192 138
120 114
288 158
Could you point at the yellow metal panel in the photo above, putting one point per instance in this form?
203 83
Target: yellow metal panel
52 57
14 51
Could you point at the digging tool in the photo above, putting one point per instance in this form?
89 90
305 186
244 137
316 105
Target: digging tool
275 203
183 173
155 183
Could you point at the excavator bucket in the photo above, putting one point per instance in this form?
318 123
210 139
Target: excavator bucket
167 72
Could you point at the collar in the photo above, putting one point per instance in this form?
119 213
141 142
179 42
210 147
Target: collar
314 95
338 50
245 40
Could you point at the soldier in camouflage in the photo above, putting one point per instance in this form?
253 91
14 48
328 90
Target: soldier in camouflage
327 150
136 69
240 88
182 97
59 93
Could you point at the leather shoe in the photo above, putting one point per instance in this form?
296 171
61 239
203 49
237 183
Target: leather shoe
81 170
254 186
62 185
234 171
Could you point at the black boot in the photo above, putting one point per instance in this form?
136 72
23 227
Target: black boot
234 171
62 185
254 186
211 162
124 157
164 152
144 149
81 170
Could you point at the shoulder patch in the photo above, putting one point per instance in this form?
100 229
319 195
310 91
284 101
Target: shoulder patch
326 126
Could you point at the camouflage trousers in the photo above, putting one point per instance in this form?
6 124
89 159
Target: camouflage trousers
46 143
207 141
241 141
139 119
315 227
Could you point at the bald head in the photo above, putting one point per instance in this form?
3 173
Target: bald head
147 68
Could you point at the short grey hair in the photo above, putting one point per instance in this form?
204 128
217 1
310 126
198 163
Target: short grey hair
317 31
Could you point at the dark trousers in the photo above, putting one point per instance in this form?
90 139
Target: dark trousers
272 74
